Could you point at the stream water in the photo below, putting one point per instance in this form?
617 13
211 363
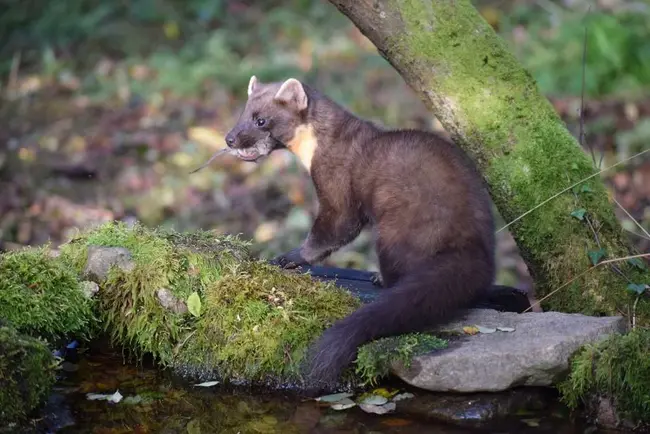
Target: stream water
155 402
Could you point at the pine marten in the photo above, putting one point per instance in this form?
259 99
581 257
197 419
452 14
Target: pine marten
422 195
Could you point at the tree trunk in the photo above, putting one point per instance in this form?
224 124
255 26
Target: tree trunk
493 109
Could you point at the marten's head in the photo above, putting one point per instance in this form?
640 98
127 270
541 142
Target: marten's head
274 117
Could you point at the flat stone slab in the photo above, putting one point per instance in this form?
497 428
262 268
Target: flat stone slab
536 353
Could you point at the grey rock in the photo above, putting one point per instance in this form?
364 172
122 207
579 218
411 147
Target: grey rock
169 302
536 353
89 288
101 259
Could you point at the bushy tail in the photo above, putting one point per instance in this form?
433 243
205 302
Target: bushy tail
428 296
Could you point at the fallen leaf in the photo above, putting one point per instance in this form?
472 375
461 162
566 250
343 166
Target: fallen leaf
373 400
378 409
470 330
403 396
194 304
343 404
113 397
207 384
382 391
334 397
486 330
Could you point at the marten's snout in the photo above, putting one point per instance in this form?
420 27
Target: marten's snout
230 139
241 138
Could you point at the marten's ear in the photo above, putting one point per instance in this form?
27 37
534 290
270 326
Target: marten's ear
251 85
292 92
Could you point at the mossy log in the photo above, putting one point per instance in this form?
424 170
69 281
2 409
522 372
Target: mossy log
493 109
202 306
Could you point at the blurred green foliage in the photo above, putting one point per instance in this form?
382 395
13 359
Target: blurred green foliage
618 48
138 76
187 42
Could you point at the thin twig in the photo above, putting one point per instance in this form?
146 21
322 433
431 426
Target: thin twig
215 155
602 157
608 261
614 267
634 311
572 186
636 234
632 218
597 238
593 231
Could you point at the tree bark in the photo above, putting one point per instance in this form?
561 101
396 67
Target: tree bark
493 109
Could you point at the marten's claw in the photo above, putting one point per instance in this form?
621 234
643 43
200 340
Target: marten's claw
290 260
377 280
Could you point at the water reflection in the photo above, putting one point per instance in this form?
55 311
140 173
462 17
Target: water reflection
154 402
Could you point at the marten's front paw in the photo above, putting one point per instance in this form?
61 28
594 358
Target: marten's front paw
290 260
377 280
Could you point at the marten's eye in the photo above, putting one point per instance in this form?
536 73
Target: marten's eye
260 122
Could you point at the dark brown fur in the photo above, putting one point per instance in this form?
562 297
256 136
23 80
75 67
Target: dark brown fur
422 195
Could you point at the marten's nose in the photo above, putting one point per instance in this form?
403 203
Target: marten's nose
230 139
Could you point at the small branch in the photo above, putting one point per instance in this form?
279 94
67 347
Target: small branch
636 234
632 218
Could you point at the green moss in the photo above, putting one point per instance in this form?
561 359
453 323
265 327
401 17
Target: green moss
375 359
180 263
42 297
618 368
258 321
482 95
251 322
26 374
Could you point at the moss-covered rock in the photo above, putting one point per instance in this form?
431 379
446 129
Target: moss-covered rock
178 264
245 321
26 374
202 305
42 297
617 369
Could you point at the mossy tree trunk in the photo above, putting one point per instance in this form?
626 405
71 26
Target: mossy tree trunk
492 107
